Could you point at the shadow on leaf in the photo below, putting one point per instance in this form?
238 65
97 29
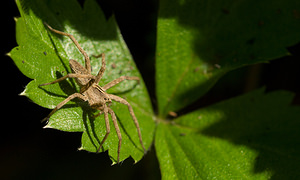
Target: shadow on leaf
266 124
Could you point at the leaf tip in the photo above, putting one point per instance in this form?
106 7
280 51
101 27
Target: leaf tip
135 161
8 54
289 54
23 93
47 126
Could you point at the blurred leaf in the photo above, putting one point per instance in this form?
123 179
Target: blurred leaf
199 41
254 136
43 56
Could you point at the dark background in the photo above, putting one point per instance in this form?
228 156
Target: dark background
28 151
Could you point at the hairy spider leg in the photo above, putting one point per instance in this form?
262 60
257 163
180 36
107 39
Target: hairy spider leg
69 76
114 119
86 57
118 80
75 95
123 101
107 110
102 69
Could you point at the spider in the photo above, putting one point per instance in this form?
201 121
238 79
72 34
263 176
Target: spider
93 93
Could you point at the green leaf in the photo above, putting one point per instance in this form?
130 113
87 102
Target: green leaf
254 136
199 41
43 56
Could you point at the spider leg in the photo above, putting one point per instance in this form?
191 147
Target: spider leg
75 95
123 101
114 119
72 75
101 71
118 80
98 114
105 111
86 57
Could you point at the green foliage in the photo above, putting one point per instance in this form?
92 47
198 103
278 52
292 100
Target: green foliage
253 136
199 41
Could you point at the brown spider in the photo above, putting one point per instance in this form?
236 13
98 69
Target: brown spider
93 93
